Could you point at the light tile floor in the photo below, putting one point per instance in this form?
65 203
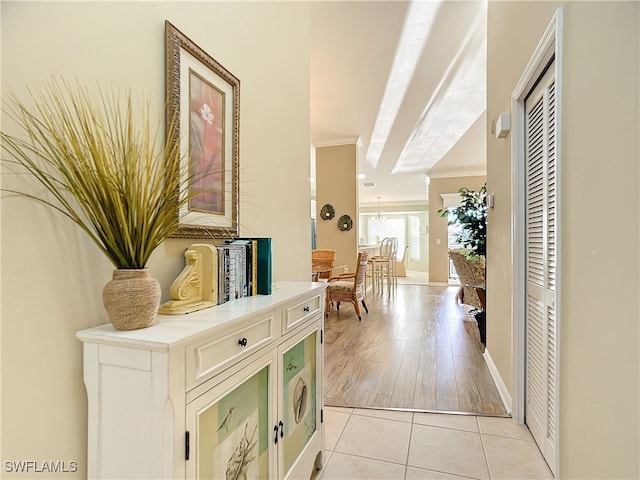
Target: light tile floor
382 444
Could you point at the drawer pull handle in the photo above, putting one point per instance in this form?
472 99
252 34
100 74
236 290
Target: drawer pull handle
306 309
242 342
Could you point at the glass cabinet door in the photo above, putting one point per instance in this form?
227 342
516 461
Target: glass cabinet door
299 395
232 430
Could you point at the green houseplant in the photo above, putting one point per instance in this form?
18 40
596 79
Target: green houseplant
101 166
471 216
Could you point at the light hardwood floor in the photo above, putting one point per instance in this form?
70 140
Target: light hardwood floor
416 349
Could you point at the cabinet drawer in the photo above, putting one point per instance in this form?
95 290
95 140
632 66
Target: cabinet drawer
212 355
298 313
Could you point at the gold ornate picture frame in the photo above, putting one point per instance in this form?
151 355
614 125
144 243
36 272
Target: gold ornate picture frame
204 99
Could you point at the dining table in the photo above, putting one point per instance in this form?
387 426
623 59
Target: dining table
316 270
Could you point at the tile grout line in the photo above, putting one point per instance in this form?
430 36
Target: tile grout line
341 432
413 422
405 464
354 455
484 450
333 451
406 461
444 428
382 418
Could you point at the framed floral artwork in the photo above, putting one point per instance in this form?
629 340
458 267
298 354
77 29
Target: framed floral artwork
203 115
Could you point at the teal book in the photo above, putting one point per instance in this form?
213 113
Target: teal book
264 273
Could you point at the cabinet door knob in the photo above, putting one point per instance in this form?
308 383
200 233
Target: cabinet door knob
306 309
275 437
242 342
281 428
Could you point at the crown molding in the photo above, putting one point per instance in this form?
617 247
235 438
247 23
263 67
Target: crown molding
477 172
389 206
353 140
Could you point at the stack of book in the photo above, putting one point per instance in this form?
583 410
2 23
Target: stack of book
244 268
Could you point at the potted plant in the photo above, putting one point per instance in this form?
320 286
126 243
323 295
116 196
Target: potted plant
107 173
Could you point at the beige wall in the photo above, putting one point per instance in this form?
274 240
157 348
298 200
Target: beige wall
337 185
599 363
52 277
438 252
505 63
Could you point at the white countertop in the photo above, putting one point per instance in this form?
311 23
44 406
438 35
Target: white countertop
171 331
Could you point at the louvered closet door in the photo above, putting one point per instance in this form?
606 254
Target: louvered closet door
540 412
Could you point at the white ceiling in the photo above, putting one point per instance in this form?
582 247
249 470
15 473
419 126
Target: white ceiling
408 80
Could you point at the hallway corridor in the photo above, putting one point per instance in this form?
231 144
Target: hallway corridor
415 349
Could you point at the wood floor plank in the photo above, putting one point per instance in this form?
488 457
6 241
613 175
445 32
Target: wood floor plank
426 382
446 384
424 396
367 377
416 348
379 400
405 386
390 368
469 397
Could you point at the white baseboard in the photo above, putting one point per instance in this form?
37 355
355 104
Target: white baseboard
497 379
439 284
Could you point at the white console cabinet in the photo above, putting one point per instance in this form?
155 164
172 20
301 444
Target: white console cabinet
234 391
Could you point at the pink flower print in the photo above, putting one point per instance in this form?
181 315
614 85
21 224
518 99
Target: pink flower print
207 114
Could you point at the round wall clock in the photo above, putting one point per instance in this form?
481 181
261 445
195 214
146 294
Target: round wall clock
345 223
327 212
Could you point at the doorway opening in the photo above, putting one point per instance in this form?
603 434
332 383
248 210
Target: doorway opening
536 132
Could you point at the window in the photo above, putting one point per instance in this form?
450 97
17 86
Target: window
414 238
390 227
405 226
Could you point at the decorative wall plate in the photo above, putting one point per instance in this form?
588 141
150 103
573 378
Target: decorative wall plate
327 212
345 223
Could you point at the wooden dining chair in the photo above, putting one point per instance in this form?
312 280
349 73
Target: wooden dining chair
348 287
383 265
323 257
401 263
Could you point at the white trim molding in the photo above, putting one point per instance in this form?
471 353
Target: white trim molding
467 172
451 200
497 379
335 142
549 49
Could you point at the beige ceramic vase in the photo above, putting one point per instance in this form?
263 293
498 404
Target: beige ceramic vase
131 299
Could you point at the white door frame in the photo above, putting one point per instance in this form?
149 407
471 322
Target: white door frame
549 48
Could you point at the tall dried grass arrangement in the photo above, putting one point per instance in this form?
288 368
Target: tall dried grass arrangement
101 165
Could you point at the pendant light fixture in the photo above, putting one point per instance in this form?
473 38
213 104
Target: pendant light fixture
379 217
